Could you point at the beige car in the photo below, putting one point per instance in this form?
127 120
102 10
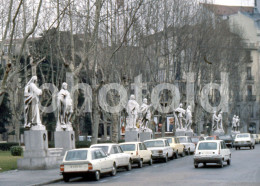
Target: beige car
177 147
138 151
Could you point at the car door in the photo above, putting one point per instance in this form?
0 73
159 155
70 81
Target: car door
123 156
141 151
168 147
179 146
147 153
223 150
105 161
97 161
115 154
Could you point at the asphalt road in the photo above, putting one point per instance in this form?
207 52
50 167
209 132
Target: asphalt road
244 170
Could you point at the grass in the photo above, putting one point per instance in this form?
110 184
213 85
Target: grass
7 161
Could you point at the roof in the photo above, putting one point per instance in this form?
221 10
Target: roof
228 10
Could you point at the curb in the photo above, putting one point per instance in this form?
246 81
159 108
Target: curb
48 182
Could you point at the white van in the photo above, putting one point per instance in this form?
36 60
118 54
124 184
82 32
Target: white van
212 151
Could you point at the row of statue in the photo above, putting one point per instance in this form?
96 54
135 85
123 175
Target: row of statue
32 117
217 124
235 123
179 114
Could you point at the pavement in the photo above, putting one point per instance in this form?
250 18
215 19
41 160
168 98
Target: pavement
30 177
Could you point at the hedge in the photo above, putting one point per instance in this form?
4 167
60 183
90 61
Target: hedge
7 146
16 150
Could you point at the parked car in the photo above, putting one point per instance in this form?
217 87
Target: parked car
255 136
212 137
178 148
160 148
86 162
115 152
212 151
228 139
138 151
189 147
196 139
258 137
244 140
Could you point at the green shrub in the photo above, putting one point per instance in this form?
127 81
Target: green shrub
16 150
83 144
7 146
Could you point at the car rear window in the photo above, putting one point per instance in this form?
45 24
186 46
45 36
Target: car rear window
76 155
104 148
128 147
242 136
154 144
208 146
183 140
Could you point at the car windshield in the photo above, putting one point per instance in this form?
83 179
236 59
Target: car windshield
210 138
76 155
208 146
183 140
154 143
242 136
169 140
104 148
128 147
194 140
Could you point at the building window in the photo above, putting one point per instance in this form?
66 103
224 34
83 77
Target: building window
249 74
249 90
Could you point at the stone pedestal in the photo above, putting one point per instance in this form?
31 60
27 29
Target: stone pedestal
146 136
180 132
189 133
219 132
132 135
65 140
36 154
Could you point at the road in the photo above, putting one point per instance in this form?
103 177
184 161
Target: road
244 170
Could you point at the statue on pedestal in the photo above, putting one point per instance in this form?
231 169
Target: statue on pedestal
237 123
32 118
188 119
234 123
132 110
146 115
65 109
178 114
217 123
214 121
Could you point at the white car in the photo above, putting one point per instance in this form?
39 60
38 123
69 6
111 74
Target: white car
114 151
160 148
86 162
244 140
212 151
189 147
138 151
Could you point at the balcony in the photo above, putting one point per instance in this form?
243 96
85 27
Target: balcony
251 98
250 79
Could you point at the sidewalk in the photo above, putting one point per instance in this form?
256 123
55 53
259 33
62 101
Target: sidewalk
29 177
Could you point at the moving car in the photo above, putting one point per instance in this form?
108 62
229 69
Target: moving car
228 139
256 138
86 162
138 151
178 148
212 151
189 147
114 151
160 148
244 140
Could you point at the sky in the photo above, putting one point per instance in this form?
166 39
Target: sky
235 2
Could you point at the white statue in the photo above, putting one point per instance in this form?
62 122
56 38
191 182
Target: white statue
188 118
215 121
65 109
234 123
146 115
31 105
219 123
237 123
178 114
132 109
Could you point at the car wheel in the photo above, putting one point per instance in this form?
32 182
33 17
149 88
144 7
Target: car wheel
253 147
129 166
229 161
239 148
236 148
250 147
166 158
176 155
140 164
196 165
97 175
66 178
204 164
221 164
151 161
188 152
183 153
113 172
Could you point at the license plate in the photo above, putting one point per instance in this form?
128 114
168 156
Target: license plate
70 168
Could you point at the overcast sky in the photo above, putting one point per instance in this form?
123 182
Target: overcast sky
235 2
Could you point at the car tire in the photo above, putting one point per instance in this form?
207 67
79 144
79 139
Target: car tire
196 166
250 147
97 175
221 164
188 152
176 155
204 164
113 172
151 161
229 161
129 166
166 158
140 164
239 148
253 147
236 148
183 153
66 178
